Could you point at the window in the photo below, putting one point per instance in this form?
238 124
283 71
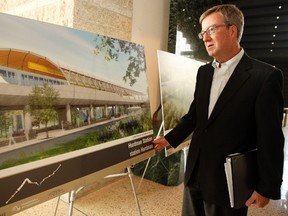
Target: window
3 73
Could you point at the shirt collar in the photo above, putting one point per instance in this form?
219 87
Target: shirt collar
216 64
231 63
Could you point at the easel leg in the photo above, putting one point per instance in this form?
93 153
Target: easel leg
57 204
72 199
130 174
185 152
143 175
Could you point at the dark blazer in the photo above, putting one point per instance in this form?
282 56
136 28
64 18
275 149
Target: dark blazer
248 114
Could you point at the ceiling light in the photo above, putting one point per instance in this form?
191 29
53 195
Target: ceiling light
274 35
271 50
272 42
279 7
275 27
277 17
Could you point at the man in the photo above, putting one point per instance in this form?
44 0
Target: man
237 107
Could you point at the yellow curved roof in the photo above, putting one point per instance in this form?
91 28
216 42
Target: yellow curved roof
30 62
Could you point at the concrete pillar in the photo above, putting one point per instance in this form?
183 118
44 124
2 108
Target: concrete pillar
106 110
14 124
116 110
68 113
27 120
152 32
92 116
22 121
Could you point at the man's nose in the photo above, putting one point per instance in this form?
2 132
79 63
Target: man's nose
206 37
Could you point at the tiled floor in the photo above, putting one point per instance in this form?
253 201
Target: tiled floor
117 199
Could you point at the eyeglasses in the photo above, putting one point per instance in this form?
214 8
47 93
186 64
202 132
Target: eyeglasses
210 30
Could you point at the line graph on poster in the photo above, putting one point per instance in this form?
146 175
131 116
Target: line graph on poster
28 181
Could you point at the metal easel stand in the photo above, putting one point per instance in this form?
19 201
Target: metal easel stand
130 174
147 164
143 175
57 204
184 150
72 197
185 154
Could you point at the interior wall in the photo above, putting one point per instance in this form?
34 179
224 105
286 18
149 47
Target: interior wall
112 18
58 12
150 27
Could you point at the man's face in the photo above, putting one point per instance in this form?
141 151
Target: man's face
219 42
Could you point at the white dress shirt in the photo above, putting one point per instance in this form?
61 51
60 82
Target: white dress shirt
221 76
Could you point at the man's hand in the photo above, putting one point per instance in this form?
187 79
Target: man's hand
257 200
160 143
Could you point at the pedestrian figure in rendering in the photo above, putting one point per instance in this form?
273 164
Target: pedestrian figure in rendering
10 136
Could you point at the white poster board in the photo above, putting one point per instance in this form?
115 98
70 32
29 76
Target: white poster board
177 75
89 71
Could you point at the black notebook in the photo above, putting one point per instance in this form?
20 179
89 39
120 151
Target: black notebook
241 175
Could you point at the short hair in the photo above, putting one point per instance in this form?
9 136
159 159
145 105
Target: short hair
232 16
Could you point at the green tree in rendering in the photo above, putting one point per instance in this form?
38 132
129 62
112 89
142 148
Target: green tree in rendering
43 101
113 49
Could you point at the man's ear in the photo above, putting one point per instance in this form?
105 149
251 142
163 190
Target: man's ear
234 31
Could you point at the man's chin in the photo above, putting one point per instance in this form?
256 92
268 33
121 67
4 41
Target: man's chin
210 52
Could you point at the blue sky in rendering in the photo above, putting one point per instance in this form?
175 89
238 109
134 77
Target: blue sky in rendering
67 47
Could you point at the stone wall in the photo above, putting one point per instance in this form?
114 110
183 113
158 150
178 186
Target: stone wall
112 18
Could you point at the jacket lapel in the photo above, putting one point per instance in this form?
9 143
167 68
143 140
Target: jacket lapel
205 92
237 79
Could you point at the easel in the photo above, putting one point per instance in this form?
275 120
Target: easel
184 150
72 197
147 164
130 174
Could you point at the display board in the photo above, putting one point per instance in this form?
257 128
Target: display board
102 77
177 76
